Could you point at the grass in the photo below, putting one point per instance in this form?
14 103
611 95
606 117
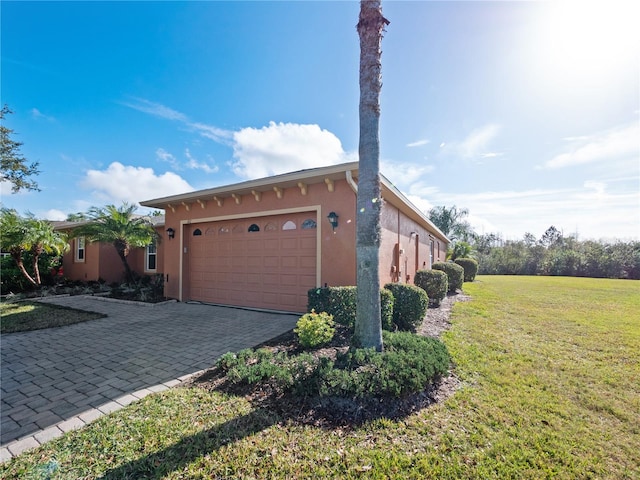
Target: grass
550 370
26 315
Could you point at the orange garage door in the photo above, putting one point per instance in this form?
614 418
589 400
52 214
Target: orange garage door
265 262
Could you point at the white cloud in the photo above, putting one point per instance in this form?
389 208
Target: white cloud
53 215
155 109
591 210
621 142
284 147
216 134
195 165
38 115
417 143
162 154
120 183
476 143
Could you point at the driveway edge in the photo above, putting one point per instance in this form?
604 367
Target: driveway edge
16 447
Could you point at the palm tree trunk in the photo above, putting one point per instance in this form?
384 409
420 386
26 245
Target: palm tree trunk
36 252
20 264
368 327
123 249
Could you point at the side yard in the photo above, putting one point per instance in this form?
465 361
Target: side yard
548 369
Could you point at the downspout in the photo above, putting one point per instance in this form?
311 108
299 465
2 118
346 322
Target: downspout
351 182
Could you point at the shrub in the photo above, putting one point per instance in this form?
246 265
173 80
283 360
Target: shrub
315 329
455 274
434 282
408 365
470 267
340 302
409 305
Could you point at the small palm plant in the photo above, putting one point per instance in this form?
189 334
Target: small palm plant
119 226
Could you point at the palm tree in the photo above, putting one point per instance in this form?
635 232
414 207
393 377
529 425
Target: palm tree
451 222
13 239
368 326
20 235
120 227
43 239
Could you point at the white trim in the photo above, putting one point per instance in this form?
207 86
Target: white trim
146 257
76 250
262 213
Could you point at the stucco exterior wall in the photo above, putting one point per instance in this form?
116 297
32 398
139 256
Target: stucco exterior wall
336 253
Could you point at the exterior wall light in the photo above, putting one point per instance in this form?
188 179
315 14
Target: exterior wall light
171 232
333 220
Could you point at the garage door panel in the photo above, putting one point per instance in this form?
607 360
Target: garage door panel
270 268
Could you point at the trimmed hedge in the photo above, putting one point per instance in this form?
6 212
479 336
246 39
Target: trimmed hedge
409 305
434 282
455 274
408 364
470 267
341 303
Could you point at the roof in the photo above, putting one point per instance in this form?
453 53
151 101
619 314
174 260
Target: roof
295 179
156 221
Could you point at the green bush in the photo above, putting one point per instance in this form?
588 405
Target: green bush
434 282
315 329
470 267
408 365
409 305
455 274
340 302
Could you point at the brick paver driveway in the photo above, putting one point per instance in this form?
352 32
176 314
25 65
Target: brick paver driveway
54 374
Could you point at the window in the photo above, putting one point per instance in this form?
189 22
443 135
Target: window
197 232
79 250
309 223
289 225
151 257
270 227
254 228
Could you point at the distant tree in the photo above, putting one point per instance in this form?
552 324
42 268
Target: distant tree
451 222
19 235
368 324
120 227
76 217
552 236
13 166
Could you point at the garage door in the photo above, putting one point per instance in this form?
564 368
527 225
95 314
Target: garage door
265 262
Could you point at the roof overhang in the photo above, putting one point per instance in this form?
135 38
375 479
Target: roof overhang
296 179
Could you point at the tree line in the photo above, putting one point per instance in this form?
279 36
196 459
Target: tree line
552 253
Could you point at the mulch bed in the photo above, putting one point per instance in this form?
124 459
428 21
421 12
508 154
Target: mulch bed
338 412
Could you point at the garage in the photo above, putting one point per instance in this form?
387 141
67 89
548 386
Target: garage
267 262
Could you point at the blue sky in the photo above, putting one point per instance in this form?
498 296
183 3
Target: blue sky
526 113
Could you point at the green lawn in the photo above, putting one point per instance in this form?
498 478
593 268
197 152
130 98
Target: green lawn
27 315
550 369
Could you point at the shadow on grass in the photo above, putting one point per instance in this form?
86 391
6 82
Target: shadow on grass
177 456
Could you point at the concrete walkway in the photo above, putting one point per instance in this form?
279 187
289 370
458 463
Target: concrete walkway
54 380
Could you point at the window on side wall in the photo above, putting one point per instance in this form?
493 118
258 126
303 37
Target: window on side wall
79 250
151 257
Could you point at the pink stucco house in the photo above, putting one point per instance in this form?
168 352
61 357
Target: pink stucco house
264 243
86 261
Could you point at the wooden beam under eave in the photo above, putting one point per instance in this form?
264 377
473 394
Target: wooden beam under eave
257 195
304 188
187 206
237 198
173 209
203 203
219 201
279 191
330 184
